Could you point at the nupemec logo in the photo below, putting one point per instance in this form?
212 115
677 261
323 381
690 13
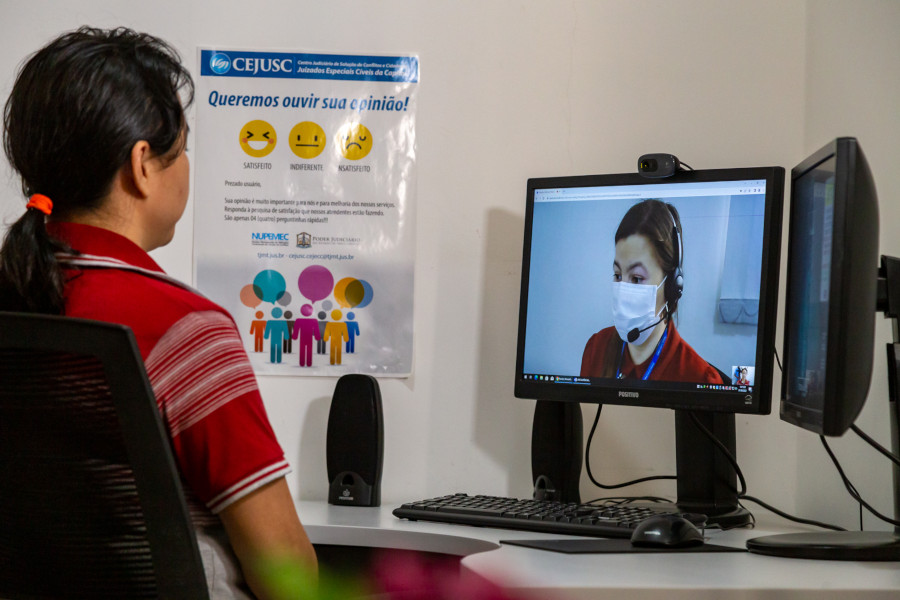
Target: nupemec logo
269 237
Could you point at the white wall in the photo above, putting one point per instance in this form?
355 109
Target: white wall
511 90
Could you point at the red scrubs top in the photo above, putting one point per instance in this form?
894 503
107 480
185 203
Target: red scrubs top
677 360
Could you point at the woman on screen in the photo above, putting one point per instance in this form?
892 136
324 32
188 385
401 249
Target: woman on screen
647 284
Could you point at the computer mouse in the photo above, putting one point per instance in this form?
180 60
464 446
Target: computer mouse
666 531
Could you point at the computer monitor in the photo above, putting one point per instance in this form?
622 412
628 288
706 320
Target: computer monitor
834 287
657 293
832 277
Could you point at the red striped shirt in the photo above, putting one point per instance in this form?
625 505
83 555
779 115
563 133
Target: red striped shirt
200 373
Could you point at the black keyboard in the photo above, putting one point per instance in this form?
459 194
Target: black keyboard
605 520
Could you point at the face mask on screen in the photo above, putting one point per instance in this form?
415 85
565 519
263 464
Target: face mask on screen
634 310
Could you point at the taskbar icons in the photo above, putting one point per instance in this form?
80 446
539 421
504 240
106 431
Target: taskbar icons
555 378
725 388
586 381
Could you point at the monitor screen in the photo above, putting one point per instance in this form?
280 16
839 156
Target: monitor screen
652 292
831 289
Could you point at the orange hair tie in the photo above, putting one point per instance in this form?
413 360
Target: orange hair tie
40 202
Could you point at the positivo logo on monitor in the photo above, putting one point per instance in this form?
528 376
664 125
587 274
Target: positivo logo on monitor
623 394
220 63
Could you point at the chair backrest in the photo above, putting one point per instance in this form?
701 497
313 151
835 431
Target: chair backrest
91 505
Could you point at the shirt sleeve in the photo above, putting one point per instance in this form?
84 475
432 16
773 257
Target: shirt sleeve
594 357
210 403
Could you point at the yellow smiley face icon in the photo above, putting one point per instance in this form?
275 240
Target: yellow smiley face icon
354 141
258 138
307 139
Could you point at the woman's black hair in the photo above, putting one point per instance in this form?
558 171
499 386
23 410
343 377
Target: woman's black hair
77 108
659 222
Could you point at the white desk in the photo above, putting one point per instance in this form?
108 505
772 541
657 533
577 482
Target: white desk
616 576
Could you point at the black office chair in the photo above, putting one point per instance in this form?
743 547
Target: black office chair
91 504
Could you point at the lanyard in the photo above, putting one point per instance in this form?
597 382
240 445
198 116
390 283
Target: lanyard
653 360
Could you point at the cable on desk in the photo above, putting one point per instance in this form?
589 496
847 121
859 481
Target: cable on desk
618 500
728 455
854 493
869 440
587 462
742 494
785 515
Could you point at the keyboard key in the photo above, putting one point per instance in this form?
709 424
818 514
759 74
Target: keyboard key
471 510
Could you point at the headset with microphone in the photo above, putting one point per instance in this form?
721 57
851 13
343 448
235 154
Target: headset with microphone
674 285
636 333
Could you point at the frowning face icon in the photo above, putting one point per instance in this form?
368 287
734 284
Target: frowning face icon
354 141
258 138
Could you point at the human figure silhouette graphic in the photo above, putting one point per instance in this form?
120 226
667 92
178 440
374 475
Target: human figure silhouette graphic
336 333
276 331
257 330
305 331
321 345
352 331
289 340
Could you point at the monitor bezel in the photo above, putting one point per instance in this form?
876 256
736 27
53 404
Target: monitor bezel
647 393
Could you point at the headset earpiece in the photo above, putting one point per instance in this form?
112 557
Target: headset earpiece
675 284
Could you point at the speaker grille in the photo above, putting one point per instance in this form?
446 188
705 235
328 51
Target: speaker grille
355 435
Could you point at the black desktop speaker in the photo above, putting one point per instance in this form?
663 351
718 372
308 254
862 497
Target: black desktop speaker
354 446
556 450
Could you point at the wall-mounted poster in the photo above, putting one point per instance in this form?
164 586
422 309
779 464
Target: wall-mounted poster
304 206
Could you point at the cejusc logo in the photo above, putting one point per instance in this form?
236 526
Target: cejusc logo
220 63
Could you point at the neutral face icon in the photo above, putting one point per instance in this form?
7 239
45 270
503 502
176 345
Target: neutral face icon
307 139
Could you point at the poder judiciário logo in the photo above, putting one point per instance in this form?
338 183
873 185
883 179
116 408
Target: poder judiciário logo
220 63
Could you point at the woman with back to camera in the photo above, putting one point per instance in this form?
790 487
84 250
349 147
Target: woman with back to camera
647 285
96 129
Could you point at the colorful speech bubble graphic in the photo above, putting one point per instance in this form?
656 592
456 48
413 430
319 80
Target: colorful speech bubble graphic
315 282
271 285
251 296
353 293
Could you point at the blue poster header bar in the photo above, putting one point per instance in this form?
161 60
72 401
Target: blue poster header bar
292 65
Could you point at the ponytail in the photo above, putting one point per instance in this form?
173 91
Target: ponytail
31 279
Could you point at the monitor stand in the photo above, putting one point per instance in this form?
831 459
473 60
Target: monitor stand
858 545
707 483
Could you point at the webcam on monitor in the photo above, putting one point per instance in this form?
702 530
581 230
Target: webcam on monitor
658 165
